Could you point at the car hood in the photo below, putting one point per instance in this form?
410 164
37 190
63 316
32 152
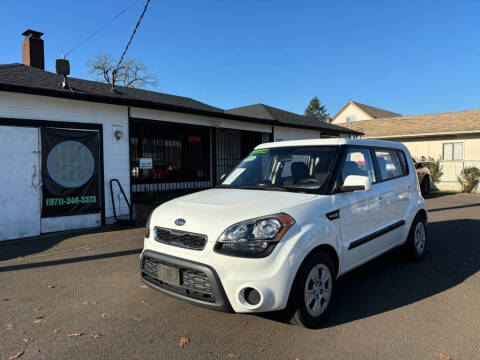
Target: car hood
212 211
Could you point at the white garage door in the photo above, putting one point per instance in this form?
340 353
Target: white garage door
20 182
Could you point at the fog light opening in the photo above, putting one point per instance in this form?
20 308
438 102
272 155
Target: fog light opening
251 296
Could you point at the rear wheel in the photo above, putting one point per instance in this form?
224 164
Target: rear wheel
425 186
313 292
417 238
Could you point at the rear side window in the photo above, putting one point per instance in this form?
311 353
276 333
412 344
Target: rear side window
391 164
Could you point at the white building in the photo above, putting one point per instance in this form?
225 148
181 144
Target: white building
60 147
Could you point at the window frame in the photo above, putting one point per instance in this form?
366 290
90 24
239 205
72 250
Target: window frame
453 143
400 153
337 170
360 147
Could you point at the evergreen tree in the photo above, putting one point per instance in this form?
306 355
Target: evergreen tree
317 111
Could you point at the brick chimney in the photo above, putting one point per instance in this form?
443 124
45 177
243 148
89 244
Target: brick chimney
32 49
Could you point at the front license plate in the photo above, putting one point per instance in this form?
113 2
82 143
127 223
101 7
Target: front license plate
168 274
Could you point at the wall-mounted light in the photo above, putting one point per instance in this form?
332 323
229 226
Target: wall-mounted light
118 134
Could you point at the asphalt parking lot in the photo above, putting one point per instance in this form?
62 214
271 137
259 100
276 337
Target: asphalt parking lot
78 295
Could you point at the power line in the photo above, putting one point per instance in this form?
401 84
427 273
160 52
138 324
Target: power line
129 41
100 28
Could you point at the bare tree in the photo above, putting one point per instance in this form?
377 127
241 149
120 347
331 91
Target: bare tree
131 72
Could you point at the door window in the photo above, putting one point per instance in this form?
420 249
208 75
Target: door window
358 162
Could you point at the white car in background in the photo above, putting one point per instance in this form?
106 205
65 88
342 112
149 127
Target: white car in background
277 231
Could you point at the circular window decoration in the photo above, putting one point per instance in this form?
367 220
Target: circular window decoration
70 164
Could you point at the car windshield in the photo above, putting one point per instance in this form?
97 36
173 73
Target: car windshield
300 169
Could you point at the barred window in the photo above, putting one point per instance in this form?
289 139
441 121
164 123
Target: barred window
179 153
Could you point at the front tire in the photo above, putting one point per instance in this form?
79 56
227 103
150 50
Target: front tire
417 238
313 292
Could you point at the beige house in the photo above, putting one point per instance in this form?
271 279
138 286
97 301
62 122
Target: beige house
452 137
355 111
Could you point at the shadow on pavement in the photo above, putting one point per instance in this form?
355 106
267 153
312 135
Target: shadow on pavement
69 260
12 249
453 207
390 281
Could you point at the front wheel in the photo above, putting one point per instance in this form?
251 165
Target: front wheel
313 292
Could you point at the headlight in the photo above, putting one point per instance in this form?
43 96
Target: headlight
255 236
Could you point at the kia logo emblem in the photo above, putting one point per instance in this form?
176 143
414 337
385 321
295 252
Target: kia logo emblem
180 222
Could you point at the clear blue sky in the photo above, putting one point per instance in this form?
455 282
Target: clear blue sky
410 57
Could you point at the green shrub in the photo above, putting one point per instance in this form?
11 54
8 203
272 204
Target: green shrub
469 178
434 167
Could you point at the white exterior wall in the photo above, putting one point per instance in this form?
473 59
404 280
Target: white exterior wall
433 146
115 154
282 133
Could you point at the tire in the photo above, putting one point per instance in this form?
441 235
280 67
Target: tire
416 242
425 186
319 289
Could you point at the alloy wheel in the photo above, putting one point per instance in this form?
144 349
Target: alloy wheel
318 289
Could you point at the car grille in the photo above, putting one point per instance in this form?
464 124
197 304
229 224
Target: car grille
193 283
180 238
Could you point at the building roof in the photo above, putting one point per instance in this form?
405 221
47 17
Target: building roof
286 117
375 112
30 77
420 125
24 79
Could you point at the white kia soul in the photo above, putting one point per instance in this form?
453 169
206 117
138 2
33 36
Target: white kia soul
278 230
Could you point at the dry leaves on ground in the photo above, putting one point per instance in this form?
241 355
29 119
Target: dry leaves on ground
105 315
16 356
36 308
9 326
145 303
96 336
233 356
27 340
183 341
75 334
144 286
442 356
56 331
51 286
38 319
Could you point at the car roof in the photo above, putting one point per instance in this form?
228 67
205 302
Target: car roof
333 142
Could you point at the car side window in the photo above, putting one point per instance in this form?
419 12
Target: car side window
389 164
358 162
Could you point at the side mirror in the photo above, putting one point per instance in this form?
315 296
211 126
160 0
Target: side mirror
418 165
356 183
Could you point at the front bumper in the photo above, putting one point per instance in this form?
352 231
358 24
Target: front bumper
199 283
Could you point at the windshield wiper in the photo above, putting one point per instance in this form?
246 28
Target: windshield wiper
221 186
262 187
